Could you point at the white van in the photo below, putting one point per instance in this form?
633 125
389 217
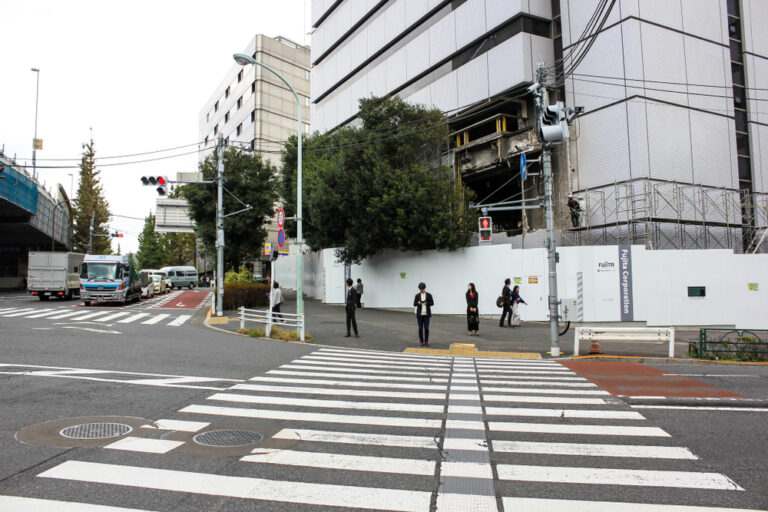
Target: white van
181 277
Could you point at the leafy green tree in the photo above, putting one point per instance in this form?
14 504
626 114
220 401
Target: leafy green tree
178 248
380 185
249 179
150 253
90 203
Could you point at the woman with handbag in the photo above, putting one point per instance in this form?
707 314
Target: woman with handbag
473 316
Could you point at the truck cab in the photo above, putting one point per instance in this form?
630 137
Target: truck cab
109 278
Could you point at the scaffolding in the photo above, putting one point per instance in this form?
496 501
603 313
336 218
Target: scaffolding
664 214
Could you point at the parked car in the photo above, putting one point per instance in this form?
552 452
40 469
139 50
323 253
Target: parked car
181 277
159 283
167 286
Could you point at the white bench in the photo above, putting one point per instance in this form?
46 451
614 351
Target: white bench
651 334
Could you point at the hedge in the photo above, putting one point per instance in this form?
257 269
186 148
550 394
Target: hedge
249 295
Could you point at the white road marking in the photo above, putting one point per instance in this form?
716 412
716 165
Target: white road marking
484 374
132 318
21 504
563 413
90 329
595 430
345 392
92 315
45 313
155 319
323 436
144 445
594 450
605 476
382 355
460 443
179 321
298 365
341 461
549 505
362 376
69 314
242 487
466 470
181 425
706 375
703 408
495 368
19 312
489 379
392 421
366 360
463 502
330 404
536 383
347 383
113 316
543 399
592 391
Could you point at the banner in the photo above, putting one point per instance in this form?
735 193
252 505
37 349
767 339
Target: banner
625 283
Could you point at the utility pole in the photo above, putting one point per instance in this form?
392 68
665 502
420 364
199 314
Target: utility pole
90 234
220 227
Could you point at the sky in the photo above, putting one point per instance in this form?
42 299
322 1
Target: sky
133 75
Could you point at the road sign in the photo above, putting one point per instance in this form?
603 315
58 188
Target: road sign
523 166
280 218
280 238
267 248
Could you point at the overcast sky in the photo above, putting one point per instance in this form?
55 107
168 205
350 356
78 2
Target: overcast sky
137 73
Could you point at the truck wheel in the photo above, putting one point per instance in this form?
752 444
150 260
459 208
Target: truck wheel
44 297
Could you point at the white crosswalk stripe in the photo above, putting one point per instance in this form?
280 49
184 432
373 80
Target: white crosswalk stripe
75 314
155 319
395 418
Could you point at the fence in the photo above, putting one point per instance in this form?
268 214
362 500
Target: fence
632 334
265 316
743 345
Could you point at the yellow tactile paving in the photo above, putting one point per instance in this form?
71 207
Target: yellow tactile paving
216 320
468 349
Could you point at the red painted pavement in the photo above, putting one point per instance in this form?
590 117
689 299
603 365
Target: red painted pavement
185 300
634 379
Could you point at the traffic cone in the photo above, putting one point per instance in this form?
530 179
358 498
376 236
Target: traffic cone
595 348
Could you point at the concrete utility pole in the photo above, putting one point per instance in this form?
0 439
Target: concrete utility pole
220 227
90 234
36 71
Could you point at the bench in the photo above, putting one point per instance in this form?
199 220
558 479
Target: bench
650 334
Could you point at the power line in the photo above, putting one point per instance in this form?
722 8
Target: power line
120 156
691 84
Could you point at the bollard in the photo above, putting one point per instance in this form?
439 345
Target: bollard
242 317
595 348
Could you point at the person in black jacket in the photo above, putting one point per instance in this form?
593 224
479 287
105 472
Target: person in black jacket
506 294
351 304
473 316
423 303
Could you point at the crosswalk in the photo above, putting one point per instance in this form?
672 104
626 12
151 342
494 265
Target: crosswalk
102 316
401 432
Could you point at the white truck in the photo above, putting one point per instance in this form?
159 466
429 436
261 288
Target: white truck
54 274
109 278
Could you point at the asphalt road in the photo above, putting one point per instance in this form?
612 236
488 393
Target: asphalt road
346 428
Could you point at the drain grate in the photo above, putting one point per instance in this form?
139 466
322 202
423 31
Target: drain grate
227 438
96 430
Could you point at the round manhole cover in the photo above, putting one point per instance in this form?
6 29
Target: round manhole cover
96 430
227 438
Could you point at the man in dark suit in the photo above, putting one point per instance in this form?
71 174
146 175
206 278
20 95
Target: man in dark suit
506 294
351 304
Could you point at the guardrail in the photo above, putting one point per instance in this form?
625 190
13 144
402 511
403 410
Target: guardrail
265 316
598 334
741 344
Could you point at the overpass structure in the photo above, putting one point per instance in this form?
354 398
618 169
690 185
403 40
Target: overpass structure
31 219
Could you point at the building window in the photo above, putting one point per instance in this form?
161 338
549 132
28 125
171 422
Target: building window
226 93
240 76
306 101
306 75
216 107
226 141
239 128
206 140
226 117
239 102
216 130
253 116
253 88
207 116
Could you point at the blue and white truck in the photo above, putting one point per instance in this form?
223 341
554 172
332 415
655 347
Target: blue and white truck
109 278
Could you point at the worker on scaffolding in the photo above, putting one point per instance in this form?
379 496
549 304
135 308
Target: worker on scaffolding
575 208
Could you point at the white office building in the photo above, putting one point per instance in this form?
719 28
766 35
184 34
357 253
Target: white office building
671 150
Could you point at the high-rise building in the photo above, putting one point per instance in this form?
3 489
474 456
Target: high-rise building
672 147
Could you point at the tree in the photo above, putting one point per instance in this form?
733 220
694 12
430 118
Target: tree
249 179
90 203
150 253
380 185
178 248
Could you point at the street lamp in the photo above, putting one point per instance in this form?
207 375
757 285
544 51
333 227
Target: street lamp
34 141
244 60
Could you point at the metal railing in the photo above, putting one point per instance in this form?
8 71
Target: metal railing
270 319
632 334
740 344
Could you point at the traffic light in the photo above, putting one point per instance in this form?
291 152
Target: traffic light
160 181
554 124
485 229
116 235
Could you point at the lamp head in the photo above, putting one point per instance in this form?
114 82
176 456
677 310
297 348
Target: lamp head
35 70
243 59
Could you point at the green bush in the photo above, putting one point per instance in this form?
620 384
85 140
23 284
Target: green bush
276 334
242 276
249 295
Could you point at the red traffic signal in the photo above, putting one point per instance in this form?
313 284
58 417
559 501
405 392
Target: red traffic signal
485 229
161 180
485 223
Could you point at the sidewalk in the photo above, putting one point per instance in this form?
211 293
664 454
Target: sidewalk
397 330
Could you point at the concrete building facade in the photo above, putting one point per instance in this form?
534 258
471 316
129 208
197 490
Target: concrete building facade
671 151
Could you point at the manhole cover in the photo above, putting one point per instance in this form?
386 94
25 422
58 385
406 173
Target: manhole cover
227 438
95 430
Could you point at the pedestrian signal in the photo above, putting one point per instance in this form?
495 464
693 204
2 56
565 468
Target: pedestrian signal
485 229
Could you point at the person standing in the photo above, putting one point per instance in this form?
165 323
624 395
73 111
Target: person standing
351 303
423 303
516 301
575 208
506 295
277 299
473 316
359 290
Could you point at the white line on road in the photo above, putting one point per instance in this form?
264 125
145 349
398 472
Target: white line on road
706 375
92 315
155 319
132 318
242 487
44 313
113 316
594 391
381 355
323 436
543 399
537 383
504 380
144 445
595 450
366 360
549 505
704 408
179 321
344 392
299 365
605 476
563 413
181 425
330 404
347 383
68 314
484 374
362 376
18 312
595 430
342 461
392 421
21 504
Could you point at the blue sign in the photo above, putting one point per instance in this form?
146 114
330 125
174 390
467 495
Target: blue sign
280 238
523 166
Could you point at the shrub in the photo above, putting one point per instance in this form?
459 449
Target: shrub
242 276
277 334
249 295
